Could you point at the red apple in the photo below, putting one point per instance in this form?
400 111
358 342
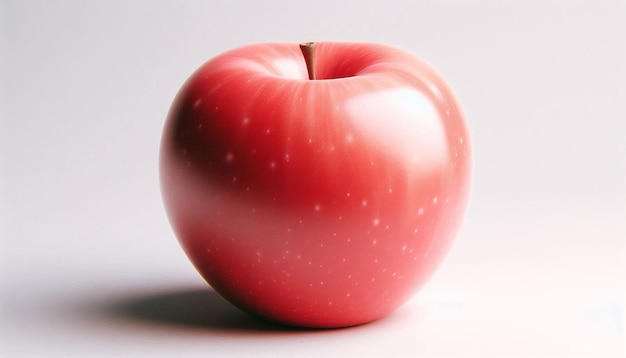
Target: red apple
317 203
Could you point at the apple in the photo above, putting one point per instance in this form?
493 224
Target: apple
316 187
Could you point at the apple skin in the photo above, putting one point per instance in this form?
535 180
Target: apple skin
316 203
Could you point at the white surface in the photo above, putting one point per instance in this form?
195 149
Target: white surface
89 266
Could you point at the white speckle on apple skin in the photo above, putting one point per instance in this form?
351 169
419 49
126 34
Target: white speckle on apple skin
197 103
420 211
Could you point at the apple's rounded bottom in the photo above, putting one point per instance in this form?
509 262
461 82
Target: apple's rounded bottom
330 325
307 324
312 320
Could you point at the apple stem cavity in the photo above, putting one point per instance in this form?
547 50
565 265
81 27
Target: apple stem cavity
308 51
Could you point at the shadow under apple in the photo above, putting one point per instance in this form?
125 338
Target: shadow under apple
192 308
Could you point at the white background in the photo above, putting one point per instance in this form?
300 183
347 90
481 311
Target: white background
89 266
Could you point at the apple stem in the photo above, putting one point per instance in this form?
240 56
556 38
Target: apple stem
308 51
